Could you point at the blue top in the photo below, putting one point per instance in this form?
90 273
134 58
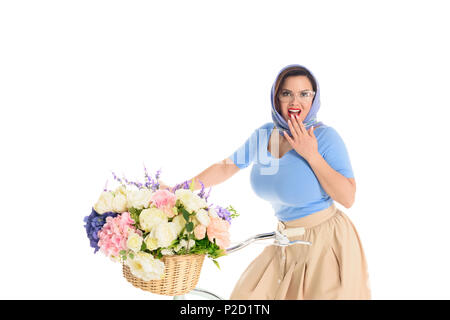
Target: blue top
289 183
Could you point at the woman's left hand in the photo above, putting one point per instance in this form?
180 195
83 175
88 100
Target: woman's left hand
303 141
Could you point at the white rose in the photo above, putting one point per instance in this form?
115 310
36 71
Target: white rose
104 203
151 243
134 242
213 213
202 217
190 200
144 266
120 190
184 196
165 233
200 202
139 199
119 203
179 223
150 218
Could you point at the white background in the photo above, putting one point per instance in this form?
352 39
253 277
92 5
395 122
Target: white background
90 87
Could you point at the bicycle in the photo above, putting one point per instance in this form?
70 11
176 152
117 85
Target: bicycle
280 240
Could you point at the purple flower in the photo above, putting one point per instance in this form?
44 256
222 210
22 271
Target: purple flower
150 183
106 186
94 223
116 178
146 173
158 173
202 191
183 185
223 214
206 198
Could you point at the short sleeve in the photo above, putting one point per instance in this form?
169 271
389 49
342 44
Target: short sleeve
246 153
335 153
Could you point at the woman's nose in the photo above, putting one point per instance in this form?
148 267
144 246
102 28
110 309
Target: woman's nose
295 103
296 98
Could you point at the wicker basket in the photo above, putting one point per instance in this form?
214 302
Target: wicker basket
181 275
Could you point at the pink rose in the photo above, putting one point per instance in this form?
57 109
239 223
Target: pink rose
200 231
164 200
218 229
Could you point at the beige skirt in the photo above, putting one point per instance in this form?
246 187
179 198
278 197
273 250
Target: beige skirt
333 267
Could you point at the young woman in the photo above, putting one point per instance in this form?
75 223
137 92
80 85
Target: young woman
301 167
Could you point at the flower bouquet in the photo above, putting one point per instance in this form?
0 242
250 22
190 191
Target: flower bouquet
161 237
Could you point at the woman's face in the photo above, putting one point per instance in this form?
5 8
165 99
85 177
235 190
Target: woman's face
297 86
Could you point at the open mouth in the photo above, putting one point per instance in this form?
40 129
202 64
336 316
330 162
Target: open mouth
294 111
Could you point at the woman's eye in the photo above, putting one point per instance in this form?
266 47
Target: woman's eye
286 93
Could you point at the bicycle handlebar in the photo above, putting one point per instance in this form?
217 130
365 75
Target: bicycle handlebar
280 240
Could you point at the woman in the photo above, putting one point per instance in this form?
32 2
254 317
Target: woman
302 169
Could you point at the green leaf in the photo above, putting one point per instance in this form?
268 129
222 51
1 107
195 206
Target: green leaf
234 214
174 244
158 253
189 227
134 214
185 214
124 257
216 263
122 252
131 255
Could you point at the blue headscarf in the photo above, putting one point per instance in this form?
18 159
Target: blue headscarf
310 119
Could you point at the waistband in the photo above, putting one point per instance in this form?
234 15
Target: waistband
309 221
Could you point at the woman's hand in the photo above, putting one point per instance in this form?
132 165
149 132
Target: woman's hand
303 141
